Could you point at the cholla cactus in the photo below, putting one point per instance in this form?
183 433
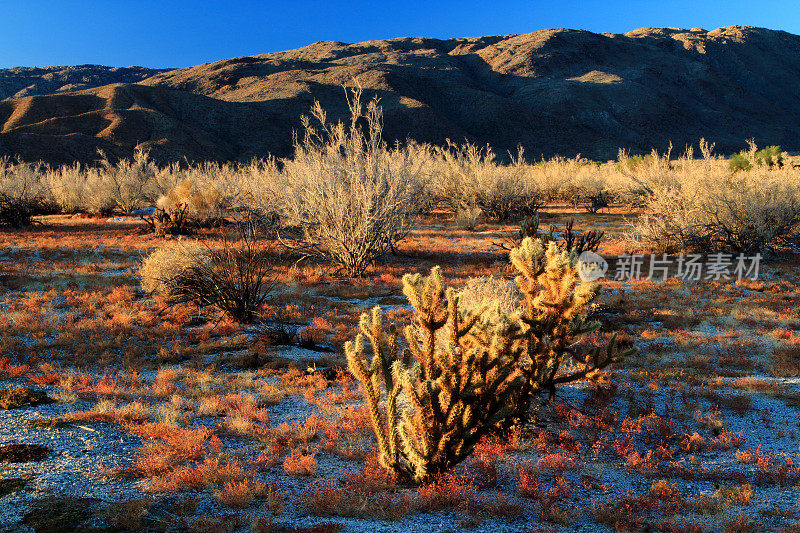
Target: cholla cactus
384 349
463 381
465 374
555 304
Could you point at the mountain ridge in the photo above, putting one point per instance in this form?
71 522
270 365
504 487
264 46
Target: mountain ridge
553 91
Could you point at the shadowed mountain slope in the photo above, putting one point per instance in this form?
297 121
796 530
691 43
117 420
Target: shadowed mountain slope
552 92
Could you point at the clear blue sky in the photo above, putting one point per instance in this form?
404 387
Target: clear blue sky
178 33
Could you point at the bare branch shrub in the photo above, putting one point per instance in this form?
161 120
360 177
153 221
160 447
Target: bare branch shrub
489 292
468 218
258 190
565 238
67 185
703 206
470 176
237 278
23 193
164 267
127 184
348 195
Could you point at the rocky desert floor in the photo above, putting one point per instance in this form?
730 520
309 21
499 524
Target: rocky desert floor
119 412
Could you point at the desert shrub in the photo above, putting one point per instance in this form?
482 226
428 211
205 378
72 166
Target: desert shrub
469 176
770 156
258 187
468 218
481 381
739 162
236 278
164 266
581 182
67 187
595 201
186 207
563 179
630 162
591 188
126 184
488 291
349 196
702 206
23 193
22 397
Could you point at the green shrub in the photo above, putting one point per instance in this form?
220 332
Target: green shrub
739 162
770 156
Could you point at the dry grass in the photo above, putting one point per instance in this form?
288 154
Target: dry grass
300 464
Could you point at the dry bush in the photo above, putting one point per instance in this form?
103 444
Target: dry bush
132 185
67 186
127 515
23 193
348 195
127 184
488 292
186 207
701 206
469 177
236 278
565 238
165 266
257 189
468 218
348 498
81 189
581 182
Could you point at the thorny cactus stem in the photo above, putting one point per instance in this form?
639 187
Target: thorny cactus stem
384 348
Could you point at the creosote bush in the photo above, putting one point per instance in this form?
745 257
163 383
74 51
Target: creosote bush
470 177
464 374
